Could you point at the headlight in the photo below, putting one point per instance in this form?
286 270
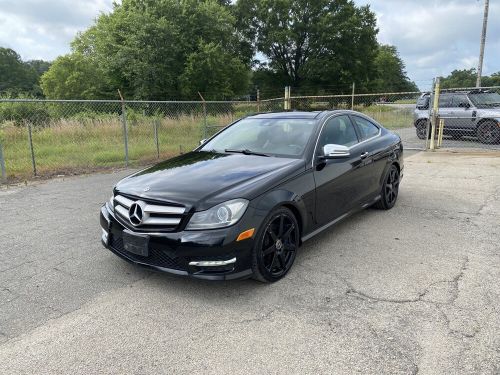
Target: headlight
220 216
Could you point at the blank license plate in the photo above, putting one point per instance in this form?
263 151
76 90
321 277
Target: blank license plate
136 244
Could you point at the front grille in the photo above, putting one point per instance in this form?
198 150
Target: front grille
146 215
156 257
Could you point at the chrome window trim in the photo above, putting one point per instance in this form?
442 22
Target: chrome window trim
349 147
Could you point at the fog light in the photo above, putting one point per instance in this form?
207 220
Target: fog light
105 237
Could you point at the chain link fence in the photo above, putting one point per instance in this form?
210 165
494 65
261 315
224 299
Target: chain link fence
60 137
56 137
463 118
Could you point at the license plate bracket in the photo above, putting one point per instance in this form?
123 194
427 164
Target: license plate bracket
136 243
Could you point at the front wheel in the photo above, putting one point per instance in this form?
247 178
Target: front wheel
276 245
390 189
421 128
488 132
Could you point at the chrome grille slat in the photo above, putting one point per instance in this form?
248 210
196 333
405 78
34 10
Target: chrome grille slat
166 216
166 210
122 211
161 221
124 201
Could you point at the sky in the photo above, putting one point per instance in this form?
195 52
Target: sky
433 37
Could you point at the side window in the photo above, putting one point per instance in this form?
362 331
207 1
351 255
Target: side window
445 101
366 128
338 130
460 101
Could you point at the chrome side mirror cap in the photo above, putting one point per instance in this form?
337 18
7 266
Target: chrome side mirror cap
332 151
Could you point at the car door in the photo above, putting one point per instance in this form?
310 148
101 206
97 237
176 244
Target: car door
462 112
337 180
374 156
446 111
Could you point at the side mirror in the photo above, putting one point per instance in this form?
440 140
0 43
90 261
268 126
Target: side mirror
332 151
464 105
203 141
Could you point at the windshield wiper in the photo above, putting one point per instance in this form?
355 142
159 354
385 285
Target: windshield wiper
245 152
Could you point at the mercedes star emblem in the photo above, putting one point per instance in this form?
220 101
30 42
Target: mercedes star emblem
136 213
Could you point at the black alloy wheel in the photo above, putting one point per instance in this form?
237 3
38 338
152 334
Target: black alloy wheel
276 246
390 189
488 132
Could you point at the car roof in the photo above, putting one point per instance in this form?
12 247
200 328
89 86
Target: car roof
461 91
288 114
314 115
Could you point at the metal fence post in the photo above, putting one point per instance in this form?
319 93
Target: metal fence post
352 96
125 130
435 116
204 104
157 142
288 101
2 164
30 139
258 101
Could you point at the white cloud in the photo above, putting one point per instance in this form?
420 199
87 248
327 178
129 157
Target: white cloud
42 29
433 37
436 37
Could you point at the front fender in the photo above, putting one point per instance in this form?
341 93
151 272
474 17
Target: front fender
276 198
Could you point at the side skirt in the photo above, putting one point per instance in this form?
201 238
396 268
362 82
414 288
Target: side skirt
340 218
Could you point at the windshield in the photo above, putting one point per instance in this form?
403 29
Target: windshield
287 137
485 99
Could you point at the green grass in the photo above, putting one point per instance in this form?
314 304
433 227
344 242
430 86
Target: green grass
78 145
70 146
390 117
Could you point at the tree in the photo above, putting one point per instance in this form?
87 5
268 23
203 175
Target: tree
144 47
321 42
390 71
74 76
213 72
460 78
15 76
466 78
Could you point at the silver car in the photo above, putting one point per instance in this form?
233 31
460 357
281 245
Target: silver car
473 113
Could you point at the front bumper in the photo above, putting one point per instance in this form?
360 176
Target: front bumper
210 254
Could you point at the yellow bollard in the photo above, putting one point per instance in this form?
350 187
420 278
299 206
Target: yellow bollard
440 132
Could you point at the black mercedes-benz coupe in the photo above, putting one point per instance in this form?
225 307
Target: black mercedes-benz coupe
242 203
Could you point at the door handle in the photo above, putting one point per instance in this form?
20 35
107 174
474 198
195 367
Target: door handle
364 155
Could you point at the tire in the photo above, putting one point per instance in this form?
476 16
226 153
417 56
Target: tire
390 189
421 129
276 246
488 132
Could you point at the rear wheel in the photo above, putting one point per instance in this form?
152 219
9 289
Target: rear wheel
390 189
276 246
488 132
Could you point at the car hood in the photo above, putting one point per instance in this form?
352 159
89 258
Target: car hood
493 112
203 179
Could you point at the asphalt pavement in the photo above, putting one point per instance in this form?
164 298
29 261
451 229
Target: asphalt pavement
412 290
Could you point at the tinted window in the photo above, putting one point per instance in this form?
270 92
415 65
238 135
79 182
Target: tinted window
366 128
423 102
338 130
460 100
445 101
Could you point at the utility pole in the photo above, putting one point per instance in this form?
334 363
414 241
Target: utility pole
483 40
